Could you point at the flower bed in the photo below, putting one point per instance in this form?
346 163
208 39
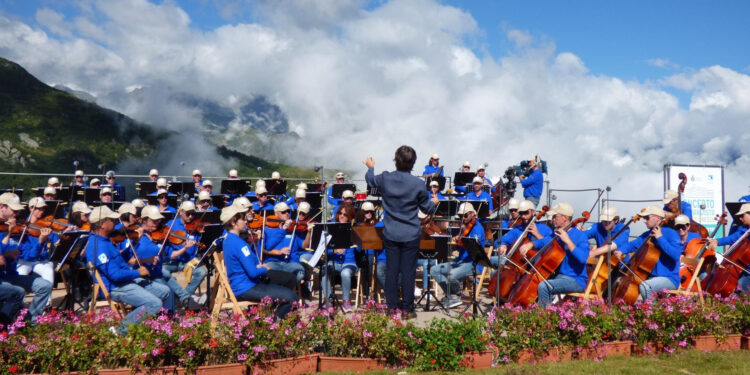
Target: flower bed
63 342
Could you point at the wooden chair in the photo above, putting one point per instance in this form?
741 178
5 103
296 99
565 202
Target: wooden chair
222 296
596 262
99 286
694 280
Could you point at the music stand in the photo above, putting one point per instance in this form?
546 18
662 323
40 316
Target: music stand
209 216
733 208
212 238
276 187
314 198
145 188
62 193
481 207
487 189
338 189
112 205
463 178
439 179
70 246
181 188
478 257
54 207
313 187
90 195
234 187
341 235
218 200
171 200
15 191
446 208
372 191
167 216
440 254
76 193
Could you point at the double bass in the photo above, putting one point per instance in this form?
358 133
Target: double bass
697 249
515 266
544 264
724 276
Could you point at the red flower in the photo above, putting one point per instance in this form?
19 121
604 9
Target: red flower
432 347
13 369
461 339
213 343
433 361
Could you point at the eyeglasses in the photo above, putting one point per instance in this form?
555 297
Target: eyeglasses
161 196
513 210
369 212
284 212
681 227
343 214
190 213
467 214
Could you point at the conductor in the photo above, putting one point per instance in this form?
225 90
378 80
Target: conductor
403 196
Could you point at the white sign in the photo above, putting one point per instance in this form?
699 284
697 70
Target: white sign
704 191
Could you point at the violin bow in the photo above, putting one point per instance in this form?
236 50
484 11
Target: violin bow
166 237
127 240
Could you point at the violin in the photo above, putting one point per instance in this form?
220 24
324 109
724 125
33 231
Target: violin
196 226
697 248
515 266
544 263
255 222
175 237
640 267
17 229
130 232
467 229
86 226
273 222
57 225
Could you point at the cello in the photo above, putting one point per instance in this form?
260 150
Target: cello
515 266
605 272
696 249
695 227
543 264
639 267
724 277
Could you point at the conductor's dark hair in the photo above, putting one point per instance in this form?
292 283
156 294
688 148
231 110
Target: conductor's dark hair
405 158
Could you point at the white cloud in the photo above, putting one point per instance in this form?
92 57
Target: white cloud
360 82
662 63
53 21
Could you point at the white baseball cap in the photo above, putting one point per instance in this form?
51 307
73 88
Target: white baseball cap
81 207
434 183
467 164
368 206
138 203
421 215
260 190
153 172
187 206
242 202
204 196
151 212
280 207
563 208
300 193
161 181
126 208
37 202
669 195
609 213
260 183
347 194
233 173
745 208
304 207
465 207
526 205
11 200
101 213
228 212
435 156
477 179
162 191
654 210
105 190
302 186
53 181
208 183
275 175
50 190
681 220
513 204
197 172
94 181
79 173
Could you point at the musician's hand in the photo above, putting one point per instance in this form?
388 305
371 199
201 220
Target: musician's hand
435 200
534 230
143 271
69 228
617 253
525 248
139 231
670 215
579 226
44 234
712 243
287 224
339 251
563 235
656 231
502 250
522 177
189 244
284 251
370 162
131 261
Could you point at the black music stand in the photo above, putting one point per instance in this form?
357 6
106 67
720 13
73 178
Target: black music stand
70 246
372 191
91 195
440 180
171 200
442 249
314 198
218 200
213 240
276 187
481 207
62 193
234 188
167 216
76 193
314 187
341 238
112 205
463 178
338 189
55 207
478 258
182 187
446 208
209 216
15 191
145 188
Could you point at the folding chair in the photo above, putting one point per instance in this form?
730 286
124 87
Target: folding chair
117 307
694 281
591 284
222 296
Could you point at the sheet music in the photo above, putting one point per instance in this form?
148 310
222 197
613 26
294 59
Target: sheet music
325 238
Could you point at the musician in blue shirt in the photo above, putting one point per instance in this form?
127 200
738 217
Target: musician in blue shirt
450 274
534 183
536 232
432 169
571 275
204 202
278 244
466 167
486 181
671 198
263 203
513 205
178 257
197 180
148 252
743 216
334 202
608 225
666 272
163 202
435 191
478 194
111 182
35 251
342 262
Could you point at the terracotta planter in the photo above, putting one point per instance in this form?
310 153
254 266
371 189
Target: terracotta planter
115 371
606 349
650 348
477 360
555 354
710 343
347 364
229 369
745 343
288 366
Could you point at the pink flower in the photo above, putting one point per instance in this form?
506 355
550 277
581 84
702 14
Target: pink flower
242 357
367 334
259 348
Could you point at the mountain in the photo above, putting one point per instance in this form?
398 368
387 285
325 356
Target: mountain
43 130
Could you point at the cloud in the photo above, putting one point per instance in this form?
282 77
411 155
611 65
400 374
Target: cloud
662 63
358 81
53 21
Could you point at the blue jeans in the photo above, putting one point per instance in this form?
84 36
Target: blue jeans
292 267
146 297
283 297
41 288
169 303
346 270
534 200
182 294
425 274
11 300
450 274
558 285
653 285
401 264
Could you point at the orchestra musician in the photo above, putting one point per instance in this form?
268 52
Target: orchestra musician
571 275
334 202
477 194
450 274
78 179
105 195
485 181
153 175
435 191
347 199
263 202
341 262
197 179
49 193
666 273
35 251
534 183
278 244
513 205
258 184
299 196
163 202
403 196
126 285
204 201
138 204
608 225
526 211
95 183
13 287
233 175
246 273
433 167
743 216
466 167
208 187
179 256
671 199
117 189
53 182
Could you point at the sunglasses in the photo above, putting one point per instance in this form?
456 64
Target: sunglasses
681 227
369 212
343 214
190 213
467 214
513 210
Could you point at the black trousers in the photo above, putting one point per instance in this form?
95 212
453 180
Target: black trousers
400 259
283 278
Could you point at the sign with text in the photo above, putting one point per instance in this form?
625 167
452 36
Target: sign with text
704 190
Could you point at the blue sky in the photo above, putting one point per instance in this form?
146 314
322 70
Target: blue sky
616 38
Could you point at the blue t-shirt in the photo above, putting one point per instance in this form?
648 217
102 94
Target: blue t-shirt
146 249
598 233
574 263
191 252
112 266
687 209
477 231
429 169
483 196
241 262
276 239
533 185
9 271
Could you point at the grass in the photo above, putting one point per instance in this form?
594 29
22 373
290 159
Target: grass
687 362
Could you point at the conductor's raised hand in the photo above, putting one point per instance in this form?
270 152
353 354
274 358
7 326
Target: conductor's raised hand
370 162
